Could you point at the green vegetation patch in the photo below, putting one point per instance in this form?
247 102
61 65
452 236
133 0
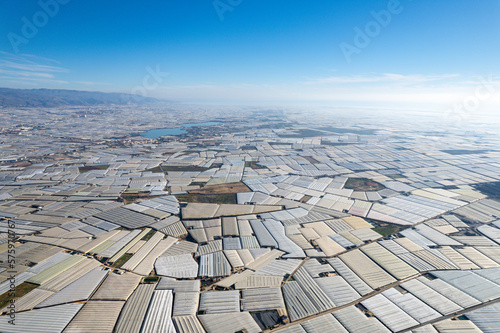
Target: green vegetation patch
20 291
168 168
200 184
148 235
363 184
254 165
237 187
123 259
93 167
151 279
129 198
388 230
224 198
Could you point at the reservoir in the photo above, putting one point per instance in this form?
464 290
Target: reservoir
159 132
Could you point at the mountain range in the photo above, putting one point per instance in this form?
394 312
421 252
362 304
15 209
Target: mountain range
61 97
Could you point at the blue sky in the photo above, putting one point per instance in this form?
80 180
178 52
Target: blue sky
425 54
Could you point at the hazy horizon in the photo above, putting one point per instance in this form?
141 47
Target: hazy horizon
396 54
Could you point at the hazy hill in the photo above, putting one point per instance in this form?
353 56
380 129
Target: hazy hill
59 97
